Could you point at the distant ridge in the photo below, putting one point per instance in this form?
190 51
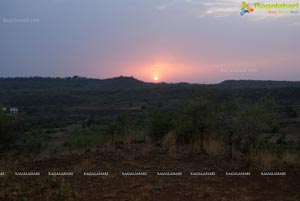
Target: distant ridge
74 82
258 83
125 82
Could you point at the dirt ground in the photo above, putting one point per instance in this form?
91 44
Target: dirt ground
145 188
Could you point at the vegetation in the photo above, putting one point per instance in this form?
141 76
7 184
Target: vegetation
34 140
81 124
8 130
87 112
84 138
195 120
160 125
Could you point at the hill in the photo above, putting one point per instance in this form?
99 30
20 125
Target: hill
258 84
73 99
75 82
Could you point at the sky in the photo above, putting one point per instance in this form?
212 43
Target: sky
196 41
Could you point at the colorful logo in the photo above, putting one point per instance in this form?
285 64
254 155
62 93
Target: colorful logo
246 8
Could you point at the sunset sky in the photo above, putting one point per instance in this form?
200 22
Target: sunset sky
197 41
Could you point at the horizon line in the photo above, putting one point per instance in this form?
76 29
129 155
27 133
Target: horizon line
122 76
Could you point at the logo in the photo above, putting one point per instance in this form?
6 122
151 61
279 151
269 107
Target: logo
246 8
270 8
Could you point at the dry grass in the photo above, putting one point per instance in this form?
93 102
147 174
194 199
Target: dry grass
128 140
169 143
214 146
267 159
147 147
84 165
195 147
292 158
264 160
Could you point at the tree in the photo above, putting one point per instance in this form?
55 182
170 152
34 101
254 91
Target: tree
251 120
196 119
227 122
241 123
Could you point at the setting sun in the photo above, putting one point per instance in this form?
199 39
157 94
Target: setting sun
155 78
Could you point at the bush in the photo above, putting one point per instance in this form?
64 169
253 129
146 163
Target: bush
194 120
291 112
280 147
264 145
160 125
8 130
84 138
251 120
34 140
280 150
185 134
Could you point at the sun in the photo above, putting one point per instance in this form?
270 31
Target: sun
155 78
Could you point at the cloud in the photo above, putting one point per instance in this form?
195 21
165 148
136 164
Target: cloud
168 4
178 3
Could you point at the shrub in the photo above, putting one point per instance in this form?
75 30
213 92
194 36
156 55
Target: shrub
194 120
241 123
8 130
34 140
160 125
291 112
264 145
280 147
84 138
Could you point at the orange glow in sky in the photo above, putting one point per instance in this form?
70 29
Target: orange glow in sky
163 69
